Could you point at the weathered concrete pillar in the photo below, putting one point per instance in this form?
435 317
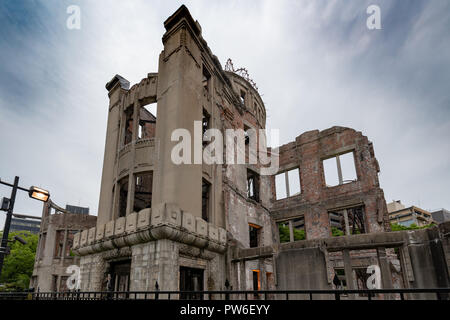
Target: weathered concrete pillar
291 231
386 276
116 88
180 93
348 271
63 255
130 195
286 180
155 261
339 169
347 226
116 194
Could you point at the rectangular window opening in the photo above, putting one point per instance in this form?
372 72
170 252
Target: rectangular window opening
205 126
348 221
147 121
254 234
256 282
206 190
143 191
339 279
128 126
123 197
206 81
69 243
298 230
252 185
246 135
242 97
287 184
59 243
119 277
339 169
191 279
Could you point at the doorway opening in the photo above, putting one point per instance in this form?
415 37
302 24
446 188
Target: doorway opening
191 279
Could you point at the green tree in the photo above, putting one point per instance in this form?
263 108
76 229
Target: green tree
335 232
285 236
413 226
18 265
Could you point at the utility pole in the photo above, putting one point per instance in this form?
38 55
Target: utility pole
33 192
4 244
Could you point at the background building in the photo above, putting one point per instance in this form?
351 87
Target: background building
441 215
25 223
77 209
404 216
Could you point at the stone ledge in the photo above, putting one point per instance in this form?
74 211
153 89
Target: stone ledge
164 221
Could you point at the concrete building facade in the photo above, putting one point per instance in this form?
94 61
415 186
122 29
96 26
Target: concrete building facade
202 226
25 223
406 216
441 215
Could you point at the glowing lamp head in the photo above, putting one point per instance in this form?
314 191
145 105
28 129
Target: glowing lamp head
39 194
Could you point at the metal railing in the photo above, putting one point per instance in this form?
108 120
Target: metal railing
379 294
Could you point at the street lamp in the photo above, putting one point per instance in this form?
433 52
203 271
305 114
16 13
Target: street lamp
38 194
8 206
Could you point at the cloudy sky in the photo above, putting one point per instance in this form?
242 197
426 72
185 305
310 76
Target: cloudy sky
316 64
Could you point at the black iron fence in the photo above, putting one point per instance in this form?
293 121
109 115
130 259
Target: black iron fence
379 294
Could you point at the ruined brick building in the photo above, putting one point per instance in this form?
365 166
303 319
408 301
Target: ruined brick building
54 251
200 226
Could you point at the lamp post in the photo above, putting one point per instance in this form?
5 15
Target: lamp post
8 206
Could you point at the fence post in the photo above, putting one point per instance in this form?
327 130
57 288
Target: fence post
157 289
227 288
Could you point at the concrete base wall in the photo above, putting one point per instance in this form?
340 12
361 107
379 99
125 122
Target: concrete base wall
151 262
302 269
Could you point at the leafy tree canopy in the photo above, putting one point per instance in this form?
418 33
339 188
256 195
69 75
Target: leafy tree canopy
284 233
18 265
399 227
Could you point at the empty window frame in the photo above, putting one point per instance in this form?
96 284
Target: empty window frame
339 279
123 197
59 244
191 279
361 279
242 97
206 124
128 125
292 230
206 194
254 235
69 243
247 134
206 81
287 184
256 279
42 240
143 191
252 185
147 121
339 169
347 221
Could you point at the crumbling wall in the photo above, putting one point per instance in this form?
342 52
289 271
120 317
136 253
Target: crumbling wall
307 153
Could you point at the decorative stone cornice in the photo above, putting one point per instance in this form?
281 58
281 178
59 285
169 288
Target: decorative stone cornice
164 221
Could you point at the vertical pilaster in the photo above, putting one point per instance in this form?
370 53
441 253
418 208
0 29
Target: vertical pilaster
348 271
180 93
116 88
